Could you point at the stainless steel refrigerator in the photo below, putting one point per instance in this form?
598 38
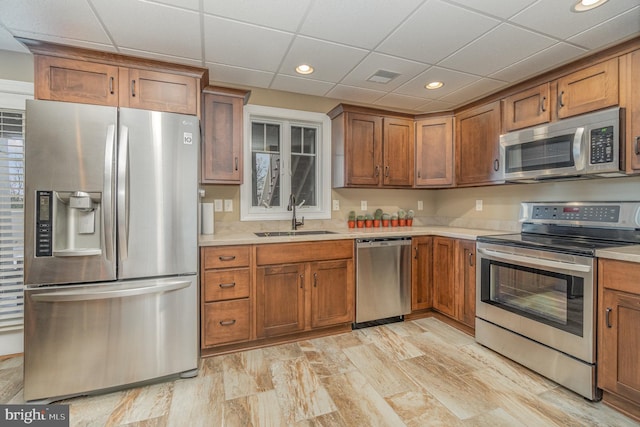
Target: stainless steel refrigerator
110 248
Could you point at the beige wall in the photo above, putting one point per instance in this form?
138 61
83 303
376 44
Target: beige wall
16 66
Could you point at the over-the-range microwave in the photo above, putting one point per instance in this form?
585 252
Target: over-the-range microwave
582 146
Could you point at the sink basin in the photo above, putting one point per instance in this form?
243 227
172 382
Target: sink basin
292 233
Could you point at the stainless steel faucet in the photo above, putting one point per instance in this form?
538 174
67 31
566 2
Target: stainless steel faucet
292 207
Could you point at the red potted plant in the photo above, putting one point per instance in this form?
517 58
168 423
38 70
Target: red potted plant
377 218
394 220
385 219
410 214
360 221
402 218
368 221
351 222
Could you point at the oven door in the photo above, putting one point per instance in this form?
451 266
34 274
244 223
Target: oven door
542 295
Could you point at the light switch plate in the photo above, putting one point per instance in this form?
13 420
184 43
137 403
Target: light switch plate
478 205
336 205
217 205
420 205
228 205
363 205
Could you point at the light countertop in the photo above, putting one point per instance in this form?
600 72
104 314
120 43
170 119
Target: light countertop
624 253
248 237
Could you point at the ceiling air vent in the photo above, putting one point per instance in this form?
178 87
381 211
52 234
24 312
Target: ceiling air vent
382 76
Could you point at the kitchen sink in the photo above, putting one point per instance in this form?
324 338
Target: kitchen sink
292 233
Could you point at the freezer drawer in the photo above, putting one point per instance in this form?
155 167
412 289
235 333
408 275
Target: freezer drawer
86 338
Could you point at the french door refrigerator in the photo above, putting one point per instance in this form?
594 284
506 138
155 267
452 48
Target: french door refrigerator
110 248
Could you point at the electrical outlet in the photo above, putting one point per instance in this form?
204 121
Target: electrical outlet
217 205
228 205
478 205
363 205
420 205
336 205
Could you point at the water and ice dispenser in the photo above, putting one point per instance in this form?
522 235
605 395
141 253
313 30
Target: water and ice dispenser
68 223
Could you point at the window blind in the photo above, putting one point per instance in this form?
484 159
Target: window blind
11 219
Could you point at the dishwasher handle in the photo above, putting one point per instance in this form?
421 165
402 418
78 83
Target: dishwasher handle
383 242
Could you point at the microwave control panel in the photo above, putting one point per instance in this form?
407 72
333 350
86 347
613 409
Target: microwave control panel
44 207
601 143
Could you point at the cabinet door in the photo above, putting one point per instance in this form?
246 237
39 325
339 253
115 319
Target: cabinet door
434 152
466 272
478 145
619 351
630 90
363 149
590 89
222 142
444 289
225 322
398 152
59 79
152 90
279 300
527 108
421 273
332 292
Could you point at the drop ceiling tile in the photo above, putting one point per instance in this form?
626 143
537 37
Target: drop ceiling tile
251 46
376 61
395 101
185 4
434 31
560 53
301 85
354 94
474 91
71 19
499 48
361 23
241 76
562 22
500 8
621 27
151 27
279 14
331 61
453 80
161 57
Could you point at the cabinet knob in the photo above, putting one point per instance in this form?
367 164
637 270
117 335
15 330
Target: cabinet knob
608 317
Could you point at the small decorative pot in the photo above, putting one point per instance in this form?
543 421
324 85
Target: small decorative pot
402 222
351 223
368 223
385 222
376 223
409 222
360 223
394 222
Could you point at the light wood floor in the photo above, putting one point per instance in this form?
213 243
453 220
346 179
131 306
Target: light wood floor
418 373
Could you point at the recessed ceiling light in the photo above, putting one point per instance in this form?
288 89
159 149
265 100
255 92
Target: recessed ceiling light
304 69
584 5
434 85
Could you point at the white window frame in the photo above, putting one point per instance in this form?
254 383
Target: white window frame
323 163
13 96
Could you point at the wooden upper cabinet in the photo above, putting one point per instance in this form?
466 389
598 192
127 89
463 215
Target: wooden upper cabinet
589 89
630 100
478 145
363 149
434 152
152 90
527 108
222 139
61 79
398 151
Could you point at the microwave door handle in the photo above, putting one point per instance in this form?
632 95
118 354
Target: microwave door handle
579 152
539 262
123 196
107 193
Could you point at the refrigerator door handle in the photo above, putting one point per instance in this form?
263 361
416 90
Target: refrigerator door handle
107 211
123 190
82 295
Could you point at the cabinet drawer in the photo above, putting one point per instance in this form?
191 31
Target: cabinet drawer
225 322
284 253
226 257
226 284
619 275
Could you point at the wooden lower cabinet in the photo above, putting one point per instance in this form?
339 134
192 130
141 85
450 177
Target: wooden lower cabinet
332 297
619 335
466 281
422 273
280 299
444 287
225 322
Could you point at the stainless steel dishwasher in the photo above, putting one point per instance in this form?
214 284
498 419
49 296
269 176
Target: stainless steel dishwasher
383 285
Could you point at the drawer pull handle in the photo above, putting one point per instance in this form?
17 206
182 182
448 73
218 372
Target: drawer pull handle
227 257
608 317
227 285
227 322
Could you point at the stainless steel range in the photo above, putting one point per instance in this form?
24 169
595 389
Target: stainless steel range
536 291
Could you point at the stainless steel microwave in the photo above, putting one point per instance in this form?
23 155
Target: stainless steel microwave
583 146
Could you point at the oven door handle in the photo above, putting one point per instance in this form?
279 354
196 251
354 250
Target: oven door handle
539 262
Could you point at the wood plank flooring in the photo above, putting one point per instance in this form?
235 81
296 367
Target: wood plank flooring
417 373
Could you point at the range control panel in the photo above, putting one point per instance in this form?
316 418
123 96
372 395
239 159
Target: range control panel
44 217
601 142
591 213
